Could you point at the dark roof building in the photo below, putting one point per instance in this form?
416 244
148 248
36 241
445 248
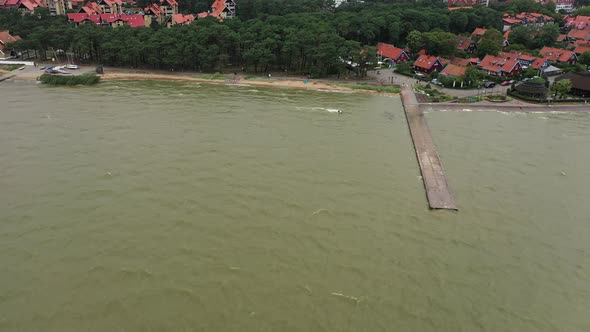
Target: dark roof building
580 83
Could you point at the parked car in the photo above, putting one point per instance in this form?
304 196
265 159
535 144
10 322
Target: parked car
489 84
70 66
505 83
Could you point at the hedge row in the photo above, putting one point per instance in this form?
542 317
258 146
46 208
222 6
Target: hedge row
84 79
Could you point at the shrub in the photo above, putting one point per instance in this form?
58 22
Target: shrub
84 79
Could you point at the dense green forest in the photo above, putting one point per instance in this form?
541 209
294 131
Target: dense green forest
300 36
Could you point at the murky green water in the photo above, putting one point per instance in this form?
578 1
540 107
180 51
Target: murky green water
138 206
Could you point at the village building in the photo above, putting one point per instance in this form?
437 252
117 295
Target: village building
453 71
525 19
580 83
180 19
579 50
558 55
221 9
391 54
579 27
111 20
5 38
466 44
110 6
565 5
427 64
500 66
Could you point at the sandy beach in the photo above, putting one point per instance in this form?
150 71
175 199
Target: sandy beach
286 83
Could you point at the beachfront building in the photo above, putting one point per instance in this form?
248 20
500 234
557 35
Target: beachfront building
427 64
580 83
391 54
565 5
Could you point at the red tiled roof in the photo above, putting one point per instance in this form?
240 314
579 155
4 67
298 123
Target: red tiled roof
91 8
425 61
574 21
538 63
170 2
556 54
561 38
182 19
30 5
579 33
582 49
155 9
11 3
463 43
474 60
6 37
460 62
581 42
479 32
511 21
507 34
133 20
389 51
497 64
453 70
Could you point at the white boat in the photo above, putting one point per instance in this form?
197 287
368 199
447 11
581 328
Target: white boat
70 66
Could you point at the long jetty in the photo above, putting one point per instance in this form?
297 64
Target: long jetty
433 175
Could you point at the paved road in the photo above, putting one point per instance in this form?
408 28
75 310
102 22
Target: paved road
384 76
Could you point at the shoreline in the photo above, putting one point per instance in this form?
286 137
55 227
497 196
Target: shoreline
277 83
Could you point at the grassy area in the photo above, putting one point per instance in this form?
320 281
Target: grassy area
84 79
385 89
10 67
216 76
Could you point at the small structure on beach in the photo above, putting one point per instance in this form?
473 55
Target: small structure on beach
531 89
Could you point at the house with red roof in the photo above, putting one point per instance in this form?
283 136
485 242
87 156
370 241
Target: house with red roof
427 64
579 27
5 38
453 71
29 6
221 9
390 53
478 32
110 6
524 18
500 66
169 7
525 59
461 62
112 20
91 8
553 54
180 19
582 49
466 44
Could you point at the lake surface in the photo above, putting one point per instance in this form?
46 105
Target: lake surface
154 206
